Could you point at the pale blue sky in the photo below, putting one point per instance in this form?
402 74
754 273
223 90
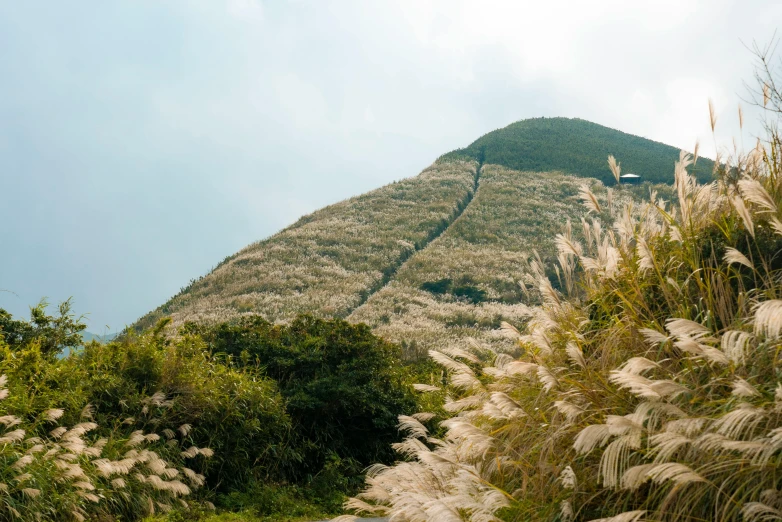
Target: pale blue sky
143 141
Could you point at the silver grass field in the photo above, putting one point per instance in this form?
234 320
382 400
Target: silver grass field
647 386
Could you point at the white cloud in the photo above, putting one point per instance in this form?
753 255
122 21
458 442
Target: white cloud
247 10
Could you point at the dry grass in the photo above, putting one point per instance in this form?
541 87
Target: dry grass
646 390
326 262
489 246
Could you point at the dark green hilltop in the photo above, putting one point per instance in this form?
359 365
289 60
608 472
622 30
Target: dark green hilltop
578 147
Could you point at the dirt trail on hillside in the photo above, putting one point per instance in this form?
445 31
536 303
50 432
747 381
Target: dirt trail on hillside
386 280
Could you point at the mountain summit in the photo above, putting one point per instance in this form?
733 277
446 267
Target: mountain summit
434 259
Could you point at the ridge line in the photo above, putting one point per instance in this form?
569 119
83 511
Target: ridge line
390 272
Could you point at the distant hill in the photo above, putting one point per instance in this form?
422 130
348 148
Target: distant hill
436 259
89 336
577 147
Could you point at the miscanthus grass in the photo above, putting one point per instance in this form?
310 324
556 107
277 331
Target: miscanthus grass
52 472
648 388
487 247
328 261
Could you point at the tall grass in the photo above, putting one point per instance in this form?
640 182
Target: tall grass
510 216
329 261
53 472
649 382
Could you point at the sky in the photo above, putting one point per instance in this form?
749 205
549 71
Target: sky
143 141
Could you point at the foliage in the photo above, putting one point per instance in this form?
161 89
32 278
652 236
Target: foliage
172 390
49 471
577 147
344 387
292 413
648 387
53 334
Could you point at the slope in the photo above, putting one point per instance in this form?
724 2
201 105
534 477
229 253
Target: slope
459 289
577 147
422 260
329 261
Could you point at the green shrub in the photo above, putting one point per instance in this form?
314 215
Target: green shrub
49 471
344 387
236 412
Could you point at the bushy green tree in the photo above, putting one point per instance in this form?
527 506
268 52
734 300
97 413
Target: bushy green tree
53 333
344 386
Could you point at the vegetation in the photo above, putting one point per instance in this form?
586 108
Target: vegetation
290 415
460 288
366 259
576 147
647 387
626 369
328 262
344 387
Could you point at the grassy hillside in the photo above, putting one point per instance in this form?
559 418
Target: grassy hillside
577 147
460 288
329 261
422 261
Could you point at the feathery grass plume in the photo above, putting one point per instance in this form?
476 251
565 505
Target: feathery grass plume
628 516
735 345
569 410
589 199
566 511
752 190
759 512
616 168
423 416
742 388
744 214
666 444
734 256
575 354
568 478
87 412
712 115
686 329
739 422
768 319
412 427
510 330
10 420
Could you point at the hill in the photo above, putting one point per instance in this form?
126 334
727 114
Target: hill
433 260
577 147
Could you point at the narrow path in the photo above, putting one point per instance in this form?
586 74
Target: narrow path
390 272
